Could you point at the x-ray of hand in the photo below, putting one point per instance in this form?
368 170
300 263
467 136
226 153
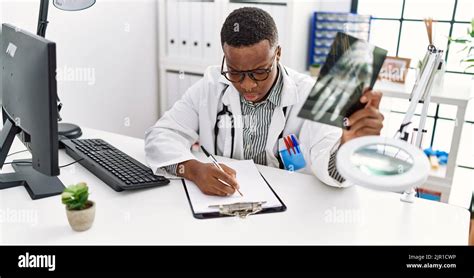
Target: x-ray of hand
352 70
351 66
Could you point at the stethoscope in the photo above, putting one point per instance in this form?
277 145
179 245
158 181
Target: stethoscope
225 111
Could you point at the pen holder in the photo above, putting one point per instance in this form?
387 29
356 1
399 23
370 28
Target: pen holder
292 162
291 153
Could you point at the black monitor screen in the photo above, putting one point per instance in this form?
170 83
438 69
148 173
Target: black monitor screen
29 94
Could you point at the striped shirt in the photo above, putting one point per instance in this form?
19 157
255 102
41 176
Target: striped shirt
333 173
256 119
256 122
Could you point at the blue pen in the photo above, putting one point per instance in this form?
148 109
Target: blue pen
295 143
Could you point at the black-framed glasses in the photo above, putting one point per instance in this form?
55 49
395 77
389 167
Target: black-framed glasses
257 75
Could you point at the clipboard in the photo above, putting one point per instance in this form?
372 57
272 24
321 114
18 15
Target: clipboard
239 209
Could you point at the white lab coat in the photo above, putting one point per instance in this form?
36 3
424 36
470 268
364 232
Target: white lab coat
193 117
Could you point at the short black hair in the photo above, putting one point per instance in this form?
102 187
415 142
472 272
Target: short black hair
247 26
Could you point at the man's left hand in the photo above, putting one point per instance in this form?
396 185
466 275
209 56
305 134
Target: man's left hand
367 121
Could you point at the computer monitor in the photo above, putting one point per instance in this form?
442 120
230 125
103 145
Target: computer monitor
29 109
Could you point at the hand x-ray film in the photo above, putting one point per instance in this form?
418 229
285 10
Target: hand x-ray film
351 66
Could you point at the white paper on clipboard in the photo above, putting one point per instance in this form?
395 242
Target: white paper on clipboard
252 185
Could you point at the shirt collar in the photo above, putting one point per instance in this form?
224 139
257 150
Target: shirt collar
274 96
275 93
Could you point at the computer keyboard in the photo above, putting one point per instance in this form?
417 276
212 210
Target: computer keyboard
112 166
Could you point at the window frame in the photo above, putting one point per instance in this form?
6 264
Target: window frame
401 20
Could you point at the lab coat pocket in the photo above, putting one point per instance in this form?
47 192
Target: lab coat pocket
291 153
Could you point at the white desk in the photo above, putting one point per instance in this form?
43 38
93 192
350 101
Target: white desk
317 214
455 90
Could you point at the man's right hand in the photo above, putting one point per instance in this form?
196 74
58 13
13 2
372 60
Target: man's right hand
208 177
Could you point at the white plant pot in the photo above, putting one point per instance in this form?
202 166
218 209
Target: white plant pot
81 220
314 72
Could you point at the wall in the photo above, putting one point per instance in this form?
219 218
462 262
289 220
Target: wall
107 61
335 5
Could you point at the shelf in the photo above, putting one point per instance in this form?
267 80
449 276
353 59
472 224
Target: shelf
440 173
455 90
192 68
188 62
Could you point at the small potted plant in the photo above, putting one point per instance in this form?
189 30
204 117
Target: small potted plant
79 209
314 70
468 42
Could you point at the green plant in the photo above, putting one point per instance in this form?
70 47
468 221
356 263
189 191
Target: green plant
468 41
75 197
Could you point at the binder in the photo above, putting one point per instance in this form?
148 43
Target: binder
184 82
172 30
278 12
177 86
184 27
279 15
172 89
209 30
259 197
196 39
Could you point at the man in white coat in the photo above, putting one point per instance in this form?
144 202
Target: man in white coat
242 108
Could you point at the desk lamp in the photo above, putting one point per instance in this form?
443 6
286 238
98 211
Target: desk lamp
70 131
393 164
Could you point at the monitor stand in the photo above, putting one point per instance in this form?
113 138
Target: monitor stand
67 131
70 131
37 184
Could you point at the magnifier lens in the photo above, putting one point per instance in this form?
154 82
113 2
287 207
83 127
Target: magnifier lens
73 5
382 160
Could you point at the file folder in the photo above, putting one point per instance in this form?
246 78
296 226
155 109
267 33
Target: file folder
210 31
184 82
172 30
196 39
258 196
172 86
279 15
184 27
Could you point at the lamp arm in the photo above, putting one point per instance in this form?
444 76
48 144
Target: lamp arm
427 97
421 93
43 18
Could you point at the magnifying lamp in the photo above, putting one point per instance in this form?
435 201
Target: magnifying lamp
65 5
383 163
67 130
392 164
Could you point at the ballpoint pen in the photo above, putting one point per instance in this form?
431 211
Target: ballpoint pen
287 144
295 143
291 144
214 161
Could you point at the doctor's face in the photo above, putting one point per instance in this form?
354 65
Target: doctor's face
261 59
